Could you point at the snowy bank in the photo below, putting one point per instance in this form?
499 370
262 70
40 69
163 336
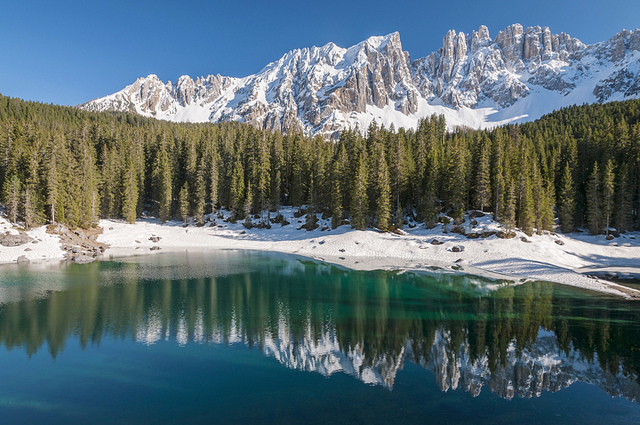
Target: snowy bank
556 258
566 259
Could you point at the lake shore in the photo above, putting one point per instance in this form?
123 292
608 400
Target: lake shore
572 259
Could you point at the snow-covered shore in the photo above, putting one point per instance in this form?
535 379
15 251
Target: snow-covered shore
566 259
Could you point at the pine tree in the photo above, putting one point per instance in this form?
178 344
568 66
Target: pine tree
130 192
498 185
60 178
183 200
248 205
548 207
457 178
53 183
430 201
509 216
359 199
622 210
277 159
383 187
162 182
29 210
236 191
401 166
594 211
12 193
33 199
539 198
262 177
213 179
87 208
337 179
566 211
525 207
110 182
199 193
482 177
311 218
298 173
608 188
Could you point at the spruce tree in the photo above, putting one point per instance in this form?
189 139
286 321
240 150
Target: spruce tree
509 216
383 188
29 209
430 201
548 207
566 211
130 193
359 199
213 179
482 178
236 191
311 219
525 207
53 183
457 178
401 166
263 175
33 198
298 173
498 185
594 206
200 193
539 198
248 206
12 193
110 183
622 210
87 178
162 182
277 160
337 184
608 181
183 201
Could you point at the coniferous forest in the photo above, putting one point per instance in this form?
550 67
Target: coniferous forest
580 165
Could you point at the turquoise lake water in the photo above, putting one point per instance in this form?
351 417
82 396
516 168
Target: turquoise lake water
245 337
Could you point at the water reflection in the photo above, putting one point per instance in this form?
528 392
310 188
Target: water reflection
516 341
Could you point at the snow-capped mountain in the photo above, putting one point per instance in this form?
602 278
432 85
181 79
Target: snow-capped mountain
473 80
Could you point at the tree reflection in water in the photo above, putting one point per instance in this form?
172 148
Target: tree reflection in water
517 340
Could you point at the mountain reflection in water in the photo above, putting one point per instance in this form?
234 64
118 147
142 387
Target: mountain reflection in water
516 341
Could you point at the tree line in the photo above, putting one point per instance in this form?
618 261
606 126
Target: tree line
579 165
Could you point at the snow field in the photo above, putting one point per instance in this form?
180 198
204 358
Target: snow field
541 257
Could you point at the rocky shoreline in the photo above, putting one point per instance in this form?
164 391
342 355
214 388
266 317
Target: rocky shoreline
81 245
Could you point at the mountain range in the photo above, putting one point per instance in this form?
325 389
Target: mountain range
473 80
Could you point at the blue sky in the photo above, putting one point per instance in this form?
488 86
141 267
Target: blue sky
68 52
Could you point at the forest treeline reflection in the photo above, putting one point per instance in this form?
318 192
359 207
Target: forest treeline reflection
517 340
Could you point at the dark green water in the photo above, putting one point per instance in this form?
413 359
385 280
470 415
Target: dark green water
238 337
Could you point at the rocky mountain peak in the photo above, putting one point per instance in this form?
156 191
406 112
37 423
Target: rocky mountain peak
472 79
480 38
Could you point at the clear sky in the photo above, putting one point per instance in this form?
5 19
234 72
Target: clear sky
69 52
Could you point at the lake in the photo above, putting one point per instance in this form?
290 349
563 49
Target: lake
246 337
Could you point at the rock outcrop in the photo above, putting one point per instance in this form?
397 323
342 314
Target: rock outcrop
80 245
10 240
